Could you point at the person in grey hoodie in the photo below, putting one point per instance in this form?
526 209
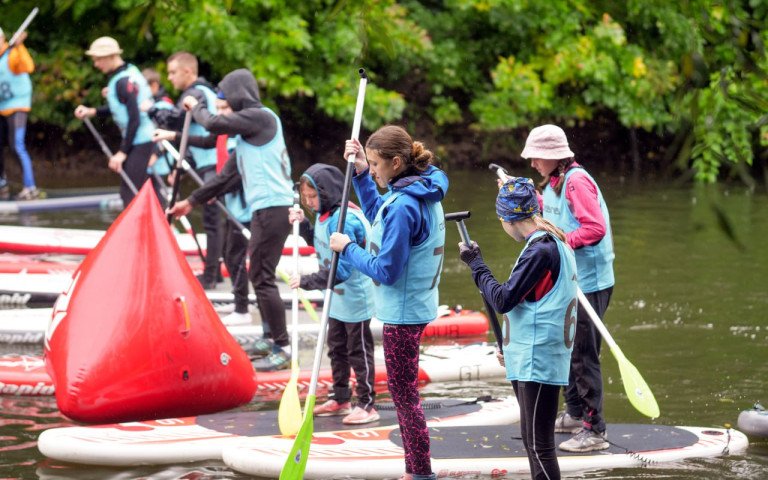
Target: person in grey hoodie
260 164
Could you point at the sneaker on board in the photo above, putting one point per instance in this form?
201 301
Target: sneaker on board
332 408
261 347
5 192
28 193
565 423
236 318
585 441
205 282
361 416
274 361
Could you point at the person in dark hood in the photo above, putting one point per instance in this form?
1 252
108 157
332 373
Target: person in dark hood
261 166
404 260
350 342
183 74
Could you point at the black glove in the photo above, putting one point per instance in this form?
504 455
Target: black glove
469 253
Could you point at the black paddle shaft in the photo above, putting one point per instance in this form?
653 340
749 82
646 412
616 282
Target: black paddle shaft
459 218
177 169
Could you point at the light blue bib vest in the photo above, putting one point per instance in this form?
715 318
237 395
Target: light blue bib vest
353 298
538 336
15 90
204 157
413 298
594 263
235 201
119 110
266 171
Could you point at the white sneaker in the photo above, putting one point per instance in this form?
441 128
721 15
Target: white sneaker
235 318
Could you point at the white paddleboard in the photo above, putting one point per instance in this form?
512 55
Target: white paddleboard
492 451
190 439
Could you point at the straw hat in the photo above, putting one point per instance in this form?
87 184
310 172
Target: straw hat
104 47
547 142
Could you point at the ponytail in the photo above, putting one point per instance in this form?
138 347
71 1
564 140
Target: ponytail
547 226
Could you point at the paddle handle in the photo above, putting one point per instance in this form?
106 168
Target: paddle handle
464 234
340 229
23 27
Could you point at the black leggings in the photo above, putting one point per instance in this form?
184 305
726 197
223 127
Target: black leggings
538 410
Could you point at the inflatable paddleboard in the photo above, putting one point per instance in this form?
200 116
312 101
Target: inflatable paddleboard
27 326
16 239
191 439
24 375
754 422
476 451
20 290
11 263
105 201
436 364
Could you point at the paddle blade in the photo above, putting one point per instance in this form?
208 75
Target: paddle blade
296 462
289 412
638 392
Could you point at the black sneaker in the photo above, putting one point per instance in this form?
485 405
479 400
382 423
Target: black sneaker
206 283
274 361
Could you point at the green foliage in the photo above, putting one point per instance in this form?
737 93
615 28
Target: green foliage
494 64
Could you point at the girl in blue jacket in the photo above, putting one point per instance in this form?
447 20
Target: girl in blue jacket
539 299
404 261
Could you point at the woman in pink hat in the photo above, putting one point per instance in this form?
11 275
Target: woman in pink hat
572 200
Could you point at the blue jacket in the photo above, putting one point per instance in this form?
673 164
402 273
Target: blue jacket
405 217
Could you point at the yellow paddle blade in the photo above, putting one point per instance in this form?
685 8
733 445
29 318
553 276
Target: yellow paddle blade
289 412
638 392
296 463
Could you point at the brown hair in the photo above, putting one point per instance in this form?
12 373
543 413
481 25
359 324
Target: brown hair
548 227
391 141
185 59
562 166
151 75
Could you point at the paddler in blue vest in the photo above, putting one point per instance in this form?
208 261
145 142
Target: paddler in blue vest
350 341
262 167
183 74
126 89
160 163
405 260
15 104
539 301
235 246
573 201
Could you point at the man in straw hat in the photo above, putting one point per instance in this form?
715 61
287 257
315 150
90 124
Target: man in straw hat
15 104
126 89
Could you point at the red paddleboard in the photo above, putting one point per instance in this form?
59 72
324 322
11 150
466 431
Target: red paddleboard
135 337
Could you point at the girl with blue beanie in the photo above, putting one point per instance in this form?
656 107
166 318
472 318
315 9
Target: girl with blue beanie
539 299
404 260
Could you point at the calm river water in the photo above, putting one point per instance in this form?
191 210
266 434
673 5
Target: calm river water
689 311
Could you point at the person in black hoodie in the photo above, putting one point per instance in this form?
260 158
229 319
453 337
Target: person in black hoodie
260 164
350 342
183 74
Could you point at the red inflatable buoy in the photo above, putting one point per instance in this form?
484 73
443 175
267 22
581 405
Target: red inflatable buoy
134 337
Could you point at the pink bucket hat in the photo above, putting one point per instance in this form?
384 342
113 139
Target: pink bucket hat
547 142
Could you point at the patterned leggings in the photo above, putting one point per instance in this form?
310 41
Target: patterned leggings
401 357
